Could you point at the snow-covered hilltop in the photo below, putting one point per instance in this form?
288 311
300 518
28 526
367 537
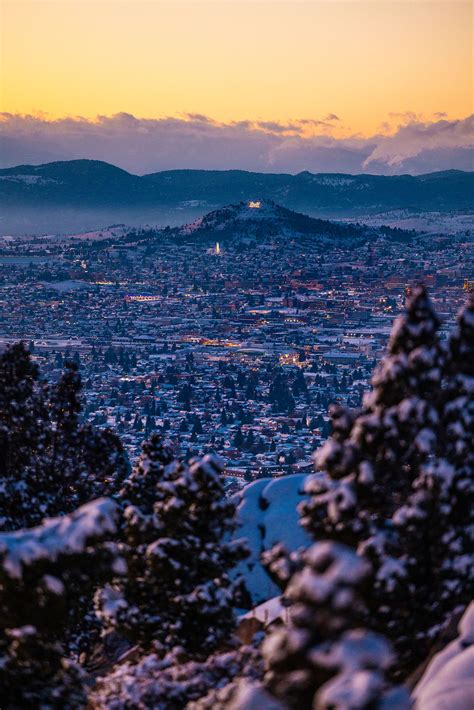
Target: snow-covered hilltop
262 219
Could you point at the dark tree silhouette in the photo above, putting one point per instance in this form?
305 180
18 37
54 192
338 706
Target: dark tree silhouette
177 519
50 462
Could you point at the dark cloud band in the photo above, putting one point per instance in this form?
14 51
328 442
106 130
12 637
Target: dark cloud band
197 141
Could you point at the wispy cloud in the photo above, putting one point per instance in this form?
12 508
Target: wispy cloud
407 143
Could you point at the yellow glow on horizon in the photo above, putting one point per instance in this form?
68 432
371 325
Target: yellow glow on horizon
232 61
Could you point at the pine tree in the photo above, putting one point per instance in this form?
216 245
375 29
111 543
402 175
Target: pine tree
105 461
177 592
324 657
374 456
435 526
66 439
174 682
370 466
25 488
238 438
44 572
50 462
456 447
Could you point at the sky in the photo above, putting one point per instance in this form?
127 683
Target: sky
331 85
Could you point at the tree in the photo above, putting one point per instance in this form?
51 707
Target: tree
25 435
250 439
66 437
324 657
91 461
197 426
105 461
456 447
373 458
238 438
184 397
280 395
50 462
177 591
438 517
44 574
371 464
174 681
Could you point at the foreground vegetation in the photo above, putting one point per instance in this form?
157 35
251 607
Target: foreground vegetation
141 560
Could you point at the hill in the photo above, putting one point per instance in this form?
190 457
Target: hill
262 219
75 182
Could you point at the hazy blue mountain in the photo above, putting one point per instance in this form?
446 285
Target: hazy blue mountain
77 192
329 193
75 182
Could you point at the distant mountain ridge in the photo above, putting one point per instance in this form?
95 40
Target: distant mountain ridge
95 184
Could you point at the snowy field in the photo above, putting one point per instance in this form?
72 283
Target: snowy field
431 222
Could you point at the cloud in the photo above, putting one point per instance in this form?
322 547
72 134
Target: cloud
199 117
403 117
319 154
276 127
197 141
417 138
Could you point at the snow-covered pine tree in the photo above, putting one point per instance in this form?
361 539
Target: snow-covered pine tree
456 447
175 682
374 456
370 465
43 571
177 522
435 527
324 657
25 490
85 463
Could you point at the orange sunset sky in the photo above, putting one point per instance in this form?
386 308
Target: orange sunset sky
268 60
326 69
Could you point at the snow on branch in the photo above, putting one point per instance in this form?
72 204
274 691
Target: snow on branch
57 537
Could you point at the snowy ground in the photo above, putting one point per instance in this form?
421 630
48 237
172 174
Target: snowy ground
431 222
268 514
448 683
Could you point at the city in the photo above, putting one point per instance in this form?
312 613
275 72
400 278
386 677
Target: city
233 347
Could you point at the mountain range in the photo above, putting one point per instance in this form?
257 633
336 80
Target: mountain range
106 192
